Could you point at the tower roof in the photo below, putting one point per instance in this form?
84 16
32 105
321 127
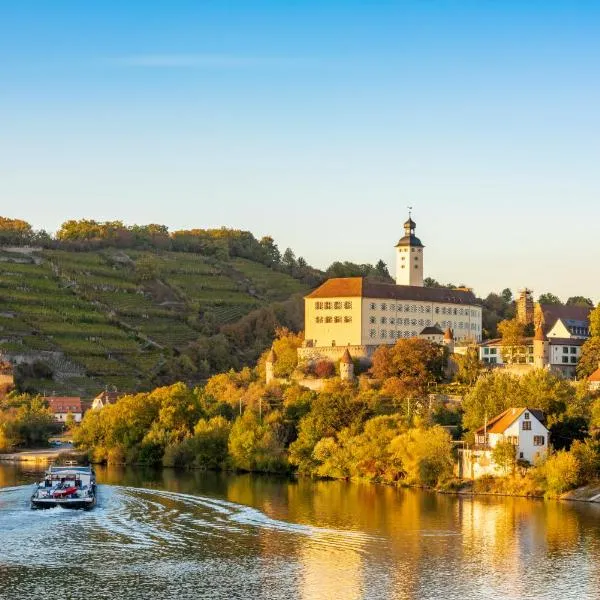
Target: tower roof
449 334
409 238
346 358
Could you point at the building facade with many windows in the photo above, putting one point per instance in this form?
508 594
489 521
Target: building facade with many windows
361 314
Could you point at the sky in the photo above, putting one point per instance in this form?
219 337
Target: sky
318 123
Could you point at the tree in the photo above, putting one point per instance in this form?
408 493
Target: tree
595 322
269 247
288 260
507 295
579 301
513 341
381 270
469 365
415 361
589 358
425 454
549 298
504 455
561 472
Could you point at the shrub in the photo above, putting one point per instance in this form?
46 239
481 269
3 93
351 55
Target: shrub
324 368
561 472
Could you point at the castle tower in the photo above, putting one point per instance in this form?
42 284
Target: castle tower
449 340
270 367
525 309
346 367
541 349
409 257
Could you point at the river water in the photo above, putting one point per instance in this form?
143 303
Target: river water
163 534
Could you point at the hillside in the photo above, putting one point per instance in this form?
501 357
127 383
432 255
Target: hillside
121 317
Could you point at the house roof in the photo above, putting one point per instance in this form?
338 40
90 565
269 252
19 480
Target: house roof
566 341
107 397
572 315
348 287
64 404
500 423
595 376
346 358
433 330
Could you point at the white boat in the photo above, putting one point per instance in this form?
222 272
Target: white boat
67 487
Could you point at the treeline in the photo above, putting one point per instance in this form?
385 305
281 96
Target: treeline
223 243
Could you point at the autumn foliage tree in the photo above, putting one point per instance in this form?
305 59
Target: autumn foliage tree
415 363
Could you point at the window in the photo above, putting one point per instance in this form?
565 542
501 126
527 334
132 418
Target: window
416 266
383 306
539 440
392 320
407 321
371 333
573 360
383 320
318 305
337 305
565 359
319 319
347 319
337 319
327 305
526 416
392 307
428 309
372 306
347 305
437 310
573 350
413 321
383 334
372 320
526 425
328 319
413 308
486 350
565 350
406 308
400 307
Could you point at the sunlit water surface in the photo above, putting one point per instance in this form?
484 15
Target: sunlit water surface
163 534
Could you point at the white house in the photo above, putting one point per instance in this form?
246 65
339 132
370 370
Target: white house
522 427
63 406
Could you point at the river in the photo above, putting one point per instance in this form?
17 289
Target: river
164 534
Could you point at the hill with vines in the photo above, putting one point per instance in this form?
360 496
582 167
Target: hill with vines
76 320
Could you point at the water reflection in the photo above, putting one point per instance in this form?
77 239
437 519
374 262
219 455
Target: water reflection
168 534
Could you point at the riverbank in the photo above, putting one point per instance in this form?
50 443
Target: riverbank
42 455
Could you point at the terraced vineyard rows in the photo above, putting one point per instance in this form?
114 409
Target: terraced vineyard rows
111 316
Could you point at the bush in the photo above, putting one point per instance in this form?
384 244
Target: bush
561 473
324 369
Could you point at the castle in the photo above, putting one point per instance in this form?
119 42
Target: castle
358 314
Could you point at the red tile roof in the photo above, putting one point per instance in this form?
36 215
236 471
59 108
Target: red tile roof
500 423
349 287
595 376
64 404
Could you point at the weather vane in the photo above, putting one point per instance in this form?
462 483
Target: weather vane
410 211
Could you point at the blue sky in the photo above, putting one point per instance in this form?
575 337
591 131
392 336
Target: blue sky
317 123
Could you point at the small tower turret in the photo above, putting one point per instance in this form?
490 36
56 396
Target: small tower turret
270 366
449 340
409 256
541 349
346 367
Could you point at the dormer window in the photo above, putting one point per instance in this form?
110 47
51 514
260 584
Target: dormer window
526 416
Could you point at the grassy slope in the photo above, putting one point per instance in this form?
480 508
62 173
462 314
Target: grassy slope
86 314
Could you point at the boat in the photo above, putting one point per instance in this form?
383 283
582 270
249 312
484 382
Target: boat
67 487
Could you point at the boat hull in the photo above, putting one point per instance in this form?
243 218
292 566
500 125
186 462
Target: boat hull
75 504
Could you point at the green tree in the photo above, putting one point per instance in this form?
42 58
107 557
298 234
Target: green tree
589 360
595 322
561 472
513 341
504 455
579 301
426 455
469 365
549 298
